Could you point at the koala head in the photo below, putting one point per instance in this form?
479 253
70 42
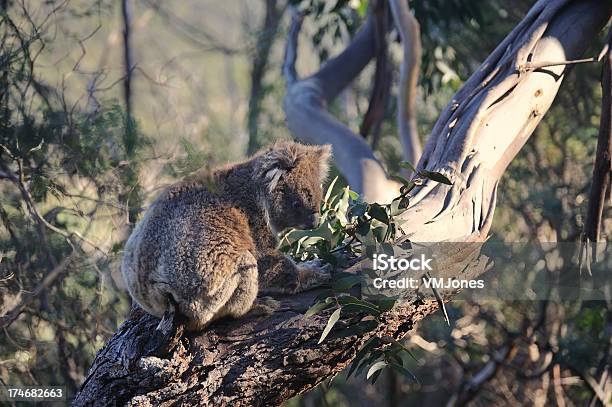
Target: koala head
290 176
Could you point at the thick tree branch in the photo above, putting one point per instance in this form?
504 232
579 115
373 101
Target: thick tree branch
266 360
493 115
409 30
381 89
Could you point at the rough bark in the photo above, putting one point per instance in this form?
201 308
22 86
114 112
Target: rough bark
263 361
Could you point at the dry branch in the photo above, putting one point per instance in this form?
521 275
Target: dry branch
261 361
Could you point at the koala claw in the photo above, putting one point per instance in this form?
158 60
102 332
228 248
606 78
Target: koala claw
318 264
314 273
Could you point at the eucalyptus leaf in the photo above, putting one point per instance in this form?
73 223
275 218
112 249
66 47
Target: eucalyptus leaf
358 305
345 283
407 165
375 368
335 316
357 329
316 308
330 188
378 212
435 176
370 344
402 370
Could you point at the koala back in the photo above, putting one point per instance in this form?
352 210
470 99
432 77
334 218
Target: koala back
184 247
200 231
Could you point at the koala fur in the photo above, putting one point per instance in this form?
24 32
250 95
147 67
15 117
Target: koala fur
209 242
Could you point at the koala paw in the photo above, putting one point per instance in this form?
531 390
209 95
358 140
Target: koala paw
313 273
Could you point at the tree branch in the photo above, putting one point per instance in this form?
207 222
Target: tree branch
379 97
602 169
57 272
409 30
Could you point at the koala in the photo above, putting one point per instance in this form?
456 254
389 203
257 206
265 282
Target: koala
208 243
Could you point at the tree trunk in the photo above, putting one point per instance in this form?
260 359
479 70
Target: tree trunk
262 361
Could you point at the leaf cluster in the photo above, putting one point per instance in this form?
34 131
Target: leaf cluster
350 229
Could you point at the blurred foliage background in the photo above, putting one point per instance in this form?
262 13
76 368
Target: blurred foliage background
77 168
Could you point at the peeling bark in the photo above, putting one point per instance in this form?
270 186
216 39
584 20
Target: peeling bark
262 361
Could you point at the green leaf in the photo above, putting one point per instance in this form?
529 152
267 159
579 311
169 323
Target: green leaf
316 308
375 376
326 295
396 207
375 368
401 348
385 304
363 228
407 165
373 356
358 305
363 8
400 179
402 370
380 232
343 204
345 283
370 343
330 189
330 324
435 176
359 209
353 195
379 213
356 330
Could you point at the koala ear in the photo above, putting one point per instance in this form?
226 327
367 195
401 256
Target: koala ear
324 154
272 164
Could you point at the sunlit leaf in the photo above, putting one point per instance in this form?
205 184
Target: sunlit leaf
316 308
330 324
375 368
